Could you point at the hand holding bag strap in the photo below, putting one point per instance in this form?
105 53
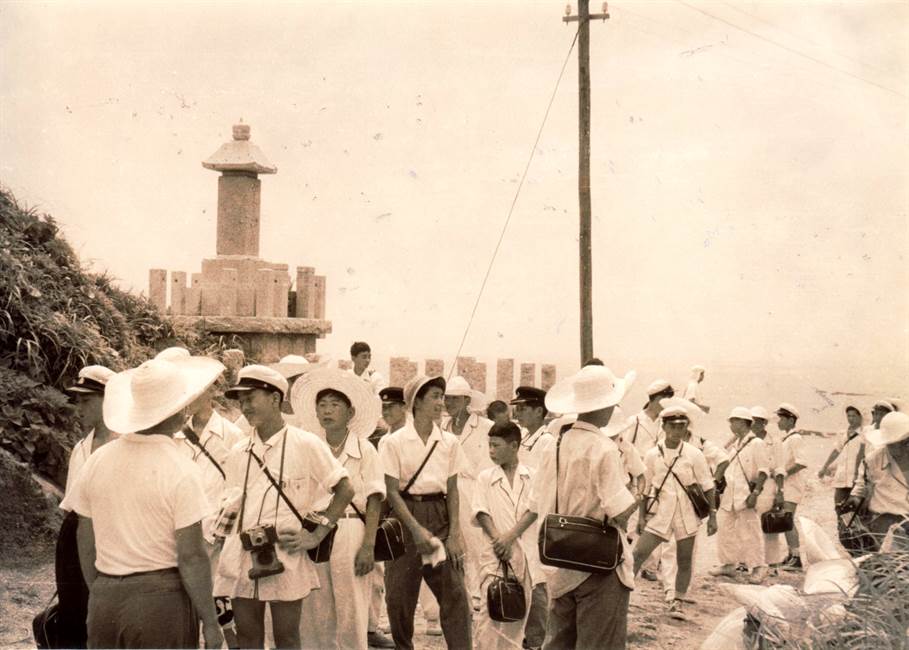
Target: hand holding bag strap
419 469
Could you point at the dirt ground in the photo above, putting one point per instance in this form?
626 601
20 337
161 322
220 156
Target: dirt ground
27 586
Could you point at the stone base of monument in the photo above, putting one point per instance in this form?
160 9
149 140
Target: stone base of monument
267 339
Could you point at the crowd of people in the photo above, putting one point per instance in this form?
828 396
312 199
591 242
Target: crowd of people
334 501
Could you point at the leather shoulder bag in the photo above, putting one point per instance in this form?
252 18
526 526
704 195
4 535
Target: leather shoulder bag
579 543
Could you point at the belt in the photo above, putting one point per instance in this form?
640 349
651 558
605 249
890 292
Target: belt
349 515
140 574
435 496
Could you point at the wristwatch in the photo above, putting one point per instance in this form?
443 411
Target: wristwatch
322 520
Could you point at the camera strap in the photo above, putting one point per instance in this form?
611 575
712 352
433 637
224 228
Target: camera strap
194 439
276 484
669 471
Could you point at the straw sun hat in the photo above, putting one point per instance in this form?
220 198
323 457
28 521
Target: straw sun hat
366 404
458 387
139 398
590 389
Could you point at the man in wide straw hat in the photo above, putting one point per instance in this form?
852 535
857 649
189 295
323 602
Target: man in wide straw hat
141 504
885 483
342 409
302 467
422 464
587 610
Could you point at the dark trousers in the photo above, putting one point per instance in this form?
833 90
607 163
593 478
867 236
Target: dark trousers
402 585
72 591
151 610
592 615
537 617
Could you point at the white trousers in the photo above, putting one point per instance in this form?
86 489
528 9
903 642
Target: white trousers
494 635
376 596
336 615
739 537
473 537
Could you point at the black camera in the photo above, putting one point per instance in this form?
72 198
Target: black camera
260 542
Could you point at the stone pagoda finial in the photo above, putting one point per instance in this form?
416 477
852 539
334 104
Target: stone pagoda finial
239 192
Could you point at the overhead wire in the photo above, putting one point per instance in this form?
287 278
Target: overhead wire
802 38
514 202
792 50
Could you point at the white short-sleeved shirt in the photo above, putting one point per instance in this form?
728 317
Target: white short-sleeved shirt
632 461
506 504
691 467
372 377
792 452
77 458
309 471
747 460
474 441
889 487
218 437
847 469
692 391
533 446
138 491
361 460
642 431
402 452
591 483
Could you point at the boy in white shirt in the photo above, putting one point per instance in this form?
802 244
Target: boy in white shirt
500 509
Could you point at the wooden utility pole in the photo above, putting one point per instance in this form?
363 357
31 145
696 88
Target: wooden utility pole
584 236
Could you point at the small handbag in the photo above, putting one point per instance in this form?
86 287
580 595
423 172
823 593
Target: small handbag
698 499
505 597
322 552
579 543
46 626
389 542
776 520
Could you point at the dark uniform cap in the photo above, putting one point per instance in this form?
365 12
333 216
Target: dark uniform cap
391 395
529 395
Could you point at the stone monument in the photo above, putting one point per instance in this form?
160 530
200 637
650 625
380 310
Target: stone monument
237 292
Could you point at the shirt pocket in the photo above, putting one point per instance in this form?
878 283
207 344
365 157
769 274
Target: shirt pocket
299 493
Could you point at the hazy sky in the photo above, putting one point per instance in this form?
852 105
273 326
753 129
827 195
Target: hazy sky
750 203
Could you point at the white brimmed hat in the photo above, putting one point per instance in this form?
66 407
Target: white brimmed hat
590 389
139 398
175 353
412 387
760 412
740 413
366 404
658 386
884 404
787 409
894 428
257 377
676 406
458 387
92 379
291 365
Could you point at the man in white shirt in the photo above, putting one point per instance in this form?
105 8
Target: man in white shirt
885 482
87 393
263 560
361 356
774 546
740 538
693 389
582 476
422 465
642 431
141 504
464 405
790 475
500 510
530 412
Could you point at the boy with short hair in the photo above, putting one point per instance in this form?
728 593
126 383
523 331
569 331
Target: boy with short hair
500 509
